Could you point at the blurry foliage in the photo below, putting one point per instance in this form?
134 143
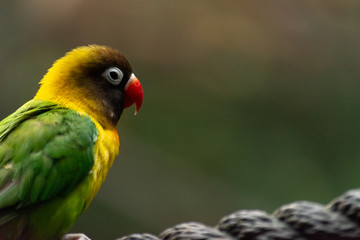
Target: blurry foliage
248 104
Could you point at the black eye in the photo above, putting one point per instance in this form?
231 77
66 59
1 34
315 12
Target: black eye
114 75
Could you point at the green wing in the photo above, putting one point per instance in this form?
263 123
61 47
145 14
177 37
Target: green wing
45 151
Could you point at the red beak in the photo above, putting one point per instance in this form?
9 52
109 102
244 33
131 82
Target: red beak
133 93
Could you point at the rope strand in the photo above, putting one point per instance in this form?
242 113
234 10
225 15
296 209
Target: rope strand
302 220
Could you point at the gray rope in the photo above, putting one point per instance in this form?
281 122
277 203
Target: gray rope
302 220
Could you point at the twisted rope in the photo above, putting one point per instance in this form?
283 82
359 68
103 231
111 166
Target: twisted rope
302 220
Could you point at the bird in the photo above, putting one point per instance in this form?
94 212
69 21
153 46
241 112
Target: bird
57 148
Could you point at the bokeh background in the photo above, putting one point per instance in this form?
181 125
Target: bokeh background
248 104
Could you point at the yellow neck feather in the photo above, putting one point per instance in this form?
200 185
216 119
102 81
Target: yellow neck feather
59 85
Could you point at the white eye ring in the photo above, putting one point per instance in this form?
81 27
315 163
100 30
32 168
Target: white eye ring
114 75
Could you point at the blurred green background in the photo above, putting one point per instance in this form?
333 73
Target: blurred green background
248 104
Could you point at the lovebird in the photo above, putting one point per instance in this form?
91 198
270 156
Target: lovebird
56 149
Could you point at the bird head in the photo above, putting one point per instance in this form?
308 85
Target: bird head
96 80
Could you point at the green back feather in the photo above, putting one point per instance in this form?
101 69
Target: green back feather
45 151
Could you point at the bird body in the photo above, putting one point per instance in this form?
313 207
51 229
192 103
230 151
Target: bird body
56 150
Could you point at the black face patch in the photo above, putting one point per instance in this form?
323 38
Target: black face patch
109 96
